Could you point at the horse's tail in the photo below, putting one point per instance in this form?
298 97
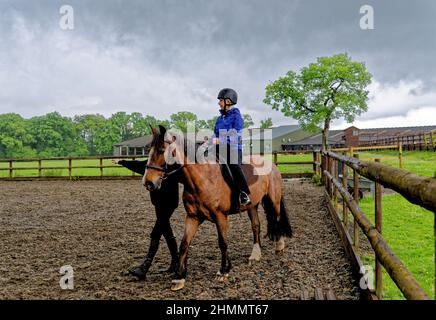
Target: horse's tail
278 222
285 226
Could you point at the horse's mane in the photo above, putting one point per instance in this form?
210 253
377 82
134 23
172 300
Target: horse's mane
182 140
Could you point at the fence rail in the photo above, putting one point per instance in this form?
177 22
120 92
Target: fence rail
418 190
416 141
40 168
43 164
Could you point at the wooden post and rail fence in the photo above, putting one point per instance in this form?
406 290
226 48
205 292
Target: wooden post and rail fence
38 170
416 141
416 189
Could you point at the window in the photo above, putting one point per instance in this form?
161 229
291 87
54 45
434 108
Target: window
355 132
139 151
123 151
131 151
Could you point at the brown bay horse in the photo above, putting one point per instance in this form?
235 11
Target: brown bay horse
207 196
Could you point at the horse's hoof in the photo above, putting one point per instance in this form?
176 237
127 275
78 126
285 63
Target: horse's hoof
139 272
256 254
177 285
222 277
252 261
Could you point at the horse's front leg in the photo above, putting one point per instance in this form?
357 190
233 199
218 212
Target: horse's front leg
191 227
221 224
141 271
255 226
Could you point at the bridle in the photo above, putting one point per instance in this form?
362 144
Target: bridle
165 169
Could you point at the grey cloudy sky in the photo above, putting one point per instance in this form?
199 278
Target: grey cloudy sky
159 57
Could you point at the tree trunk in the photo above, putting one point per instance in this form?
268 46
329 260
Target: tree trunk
325 134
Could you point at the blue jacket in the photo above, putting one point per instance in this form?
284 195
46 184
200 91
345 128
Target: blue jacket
232 124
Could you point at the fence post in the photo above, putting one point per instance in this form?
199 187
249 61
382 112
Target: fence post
378 225
344 204
101 167
314 162
275 158
356 198
133 172
69 167
400 154
330 169
39 168
322 168
10 169
433 140
318 159
425 141
336 192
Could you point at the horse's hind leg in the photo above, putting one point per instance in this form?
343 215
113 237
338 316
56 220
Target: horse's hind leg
191 227
255 225
221 224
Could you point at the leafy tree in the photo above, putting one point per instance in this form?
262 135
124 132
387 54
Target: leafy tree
180 119
87 125
105 137
122 124
15 137
267 123
55 135
248 121
331 88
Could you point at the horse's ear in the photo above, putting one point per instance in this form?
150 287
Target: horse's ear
162 130
153 130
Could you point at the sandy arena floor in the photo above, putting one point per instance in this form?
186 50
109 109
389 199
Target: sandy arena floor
101 228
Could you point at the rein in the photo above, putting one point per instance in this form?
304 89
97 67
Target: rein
167 173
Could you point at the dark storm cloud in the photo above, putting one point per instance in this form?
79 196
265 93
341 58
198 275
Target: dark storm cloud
153 56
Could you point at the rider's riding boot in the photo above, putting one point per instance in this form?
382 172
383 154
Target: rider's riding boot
244 199
141 271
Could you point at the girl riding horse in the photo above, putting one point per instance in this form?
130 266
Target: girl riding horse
208 196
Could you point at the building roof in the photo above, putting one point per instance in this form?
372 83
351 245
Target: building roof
374 133
136 142
335 137
276 131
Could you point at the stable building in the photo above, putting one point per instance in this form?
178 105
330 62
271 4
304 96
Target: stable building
271 141
336 139
134 147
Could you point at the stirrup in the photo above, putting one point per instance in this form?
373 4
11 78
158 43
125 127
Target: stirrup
247 197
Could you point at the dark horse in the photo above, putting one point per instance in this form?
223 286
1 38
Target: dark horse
207 196
165 200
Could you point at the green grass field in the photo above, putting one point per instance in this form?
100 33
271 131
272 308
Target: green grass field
408 229
419 162
118 171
